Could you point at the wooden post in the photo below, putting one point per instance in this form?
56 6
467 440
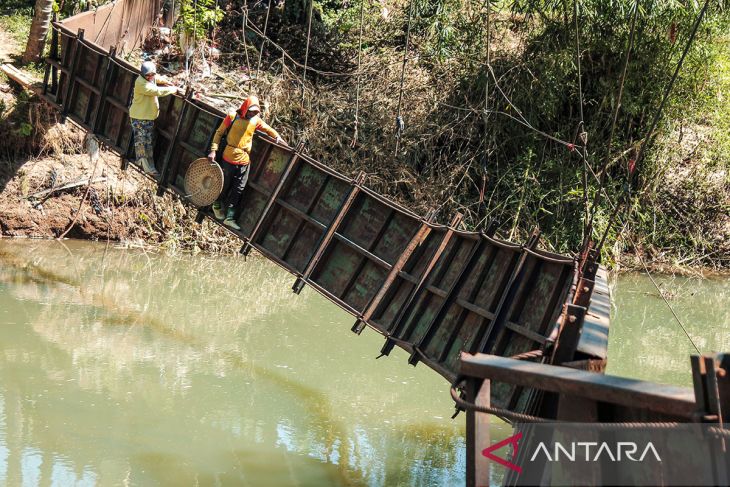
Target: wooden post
477 434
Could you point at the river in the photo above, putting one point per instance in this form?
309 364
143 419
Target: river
123 367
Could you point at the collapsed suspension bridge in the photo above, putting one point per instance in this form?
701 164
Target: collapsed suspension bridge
450 298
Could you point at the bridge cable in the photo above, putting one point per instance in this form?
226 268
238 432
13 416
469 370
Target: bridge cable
265 39
359 68
485 163
604 167
399 124
106 22
243 37
293 61
582 134
657 115
306 51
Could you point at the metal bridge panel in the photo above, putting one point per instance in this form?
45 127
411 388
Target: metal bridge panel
306 204
396 236
365 285
338 267
434 290
307 182
443 276
325 209
365 220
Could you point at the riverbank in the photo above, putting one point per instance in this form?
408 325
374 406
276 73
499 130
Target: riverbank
137 217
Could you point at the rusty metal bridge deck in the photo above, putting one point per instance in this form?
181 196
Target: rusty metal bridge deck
431 289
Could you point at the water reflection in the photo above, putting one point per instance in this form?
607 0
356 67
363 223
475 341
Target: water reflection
120 367
645 340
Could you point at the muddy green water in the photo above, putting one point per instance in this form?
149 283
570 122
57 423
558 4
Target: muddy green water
119 367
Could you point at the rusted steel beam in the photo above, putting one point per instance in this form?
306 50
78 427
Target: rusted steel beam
327 237
165 173
420 236
50 71
485 342
474 254
583 292
670 400
96 120
70 79
569 336
419 288
270 203
367 254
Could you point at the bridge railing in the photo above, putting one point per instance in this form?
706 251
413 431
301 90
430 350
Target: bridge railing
428 288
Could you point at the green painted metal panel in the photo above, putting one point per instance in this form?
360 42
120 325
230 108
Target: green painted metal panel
372 235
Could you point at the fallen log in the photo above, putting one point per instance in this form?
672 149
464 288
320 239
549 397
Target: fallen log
16 75
49 192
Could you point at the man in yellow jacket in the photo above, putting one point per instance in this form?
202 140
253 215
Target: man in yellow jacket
239 127
144 111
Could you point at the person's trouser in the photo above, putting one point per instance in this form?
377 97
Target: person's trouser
235 178
143 131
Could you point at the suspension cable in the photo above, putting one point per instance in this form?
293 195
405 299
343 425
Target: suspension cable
486 114
243 34
359 68
399 125
607 158
265 40
657 115
583 135
306 51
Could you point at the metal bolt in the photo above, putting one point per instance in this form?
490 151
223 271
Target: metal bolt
586 289
572 318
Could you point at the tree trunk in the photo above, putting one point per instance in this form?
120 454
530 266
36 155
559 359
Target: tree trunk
38 30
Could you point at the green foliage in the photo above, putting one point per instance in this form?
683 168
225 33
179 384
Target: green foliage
16 21
25 129
199 17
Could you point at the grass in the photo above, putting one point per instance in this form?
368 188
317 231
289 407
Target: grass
16 23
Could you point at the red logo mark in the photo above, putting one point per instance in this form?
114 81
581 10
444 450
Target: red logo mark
512 440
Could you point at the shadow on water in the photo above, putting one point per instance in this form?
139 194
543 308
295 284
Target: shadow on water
165 336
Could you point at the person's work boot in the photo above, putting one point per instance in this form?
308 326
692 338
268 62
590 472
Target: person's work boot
230 220
148 168
218 211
